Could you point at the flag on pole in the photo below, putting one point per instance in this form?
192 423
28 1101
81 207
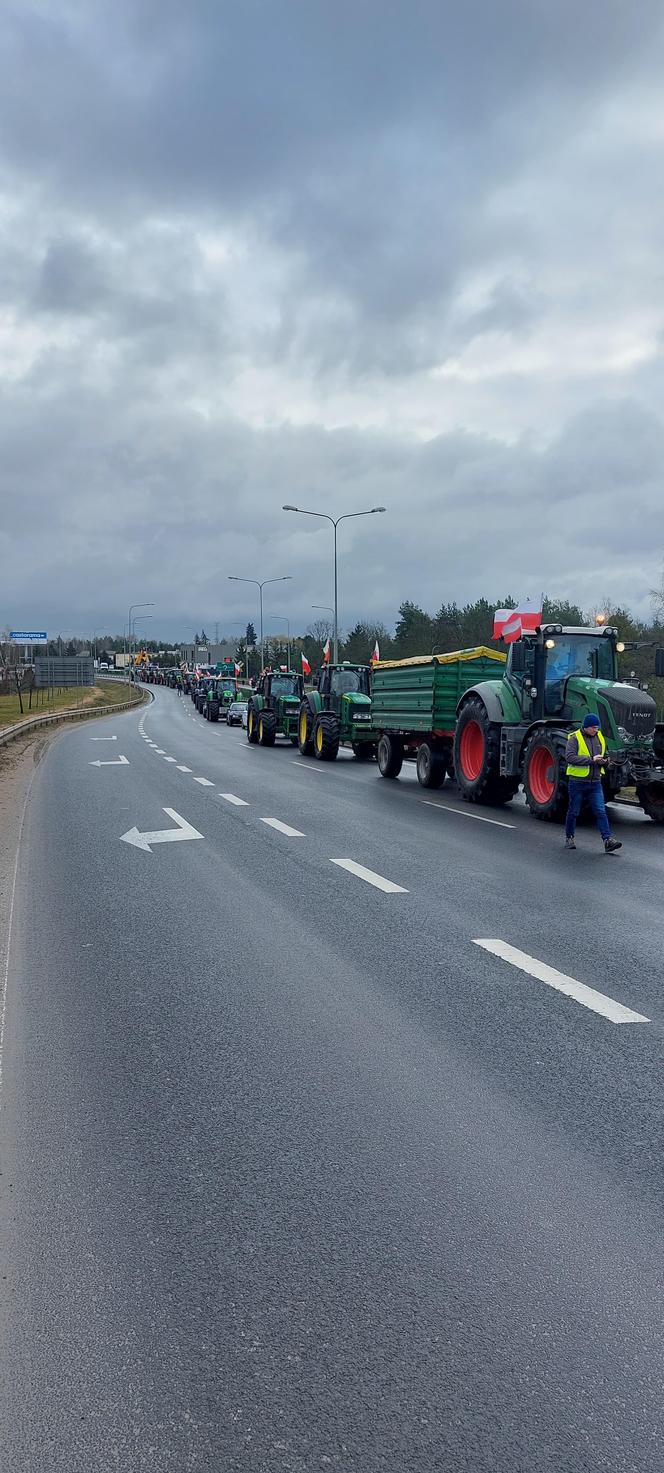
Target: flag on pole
326 651
376 654
510 624
306 667
238 668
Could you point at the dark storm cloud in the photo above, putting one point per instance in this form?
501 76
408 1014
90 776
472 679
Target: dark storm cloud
340 255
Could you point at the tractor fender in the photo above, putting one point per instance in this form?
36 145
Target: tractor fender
313 699
258 703
497 698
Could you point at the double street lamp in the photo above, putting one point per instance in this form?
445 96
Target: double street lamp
287 578
304 512
148 605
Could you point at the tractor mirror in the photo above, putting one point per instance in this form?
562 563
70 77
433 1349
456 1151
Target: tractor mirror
659 662
518 660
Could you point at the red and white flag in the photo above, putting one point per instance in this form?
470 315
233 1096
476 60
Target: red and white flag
510 624
376 654
238 668
306 667
283 667
326 652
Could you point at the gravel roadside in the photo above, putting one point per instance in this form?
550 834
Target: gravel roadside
18 762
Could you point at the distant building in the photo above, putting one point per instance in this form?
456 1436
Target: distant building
208 654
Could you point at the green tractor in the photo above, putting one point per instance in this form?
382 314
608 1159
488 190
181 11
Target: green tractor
514 730
337 712
274 707
221 692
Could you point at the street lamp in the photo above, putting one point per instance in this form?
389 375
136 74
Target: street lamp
148 605
287 578
304 512
287 623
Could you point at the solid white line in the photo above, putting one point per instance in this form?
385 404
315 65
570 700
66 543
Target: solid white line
616 1012
170 759
370 876
204 782
231 798
283 828
182 768
461 813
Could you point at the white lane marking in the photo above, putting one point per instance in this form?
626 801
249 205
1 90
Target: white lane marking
370 876
114 762
103 739
170 759
616 1012
204 782
461 813
160 751
182 768
283 828
231 798
306 767
184 830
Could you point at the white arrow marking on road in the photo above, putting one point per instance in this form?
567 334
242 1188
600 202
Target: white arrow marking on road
184 830
103 739
114 762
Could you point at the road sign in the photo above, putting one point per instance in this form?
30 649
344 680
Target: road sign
184 830
28 636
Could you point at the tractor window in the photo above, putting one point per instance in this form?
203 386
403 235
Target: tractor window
284 685
347 682
592 658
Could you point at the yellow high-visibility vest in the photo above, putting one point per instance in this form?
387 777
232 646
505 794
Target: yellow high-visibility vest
584 751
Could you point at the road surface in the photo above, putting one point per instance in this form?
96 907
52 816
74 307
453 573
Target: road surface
296 1174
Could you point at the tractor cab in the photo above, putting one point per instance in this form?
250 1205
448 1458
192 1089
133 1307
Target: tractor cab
541 666
338 682
279 687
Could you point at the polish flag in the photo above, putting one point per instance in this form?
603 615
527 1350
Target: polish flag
238 668
306 667
326 652
376 654
510 624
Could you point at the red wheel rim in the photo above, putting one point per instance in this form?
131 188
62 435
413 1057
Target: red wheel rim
540 769
471 750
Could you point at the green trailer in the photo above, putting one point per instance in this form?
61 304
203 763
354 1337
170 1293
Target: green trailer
414 708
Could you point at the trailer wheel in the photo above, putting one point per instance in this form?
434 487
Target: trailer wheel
651 798
326 736
477 757
431 766
390 755
544 778
267 728
252 725
305 739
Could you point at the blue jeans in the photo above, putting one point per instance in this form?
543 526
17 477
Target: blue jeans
581 788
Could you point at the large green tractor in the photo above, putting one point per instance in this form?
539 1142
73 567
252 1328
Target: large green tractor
337 712
514 730
274 708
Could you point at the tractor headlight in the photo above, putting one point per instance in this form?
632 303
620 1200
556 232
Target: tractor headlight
625 736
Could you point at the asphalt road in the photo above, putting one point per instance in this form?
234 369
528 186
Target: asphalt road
296 1176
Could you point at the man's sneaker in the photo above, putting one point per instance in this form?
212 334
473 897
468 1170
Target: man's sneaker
612 844
570 844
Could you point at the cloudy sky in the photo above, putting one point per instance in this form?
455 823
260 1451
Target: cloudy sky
336 254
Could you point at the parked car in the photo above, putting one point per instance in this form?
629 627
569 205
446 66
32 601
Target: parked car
237 713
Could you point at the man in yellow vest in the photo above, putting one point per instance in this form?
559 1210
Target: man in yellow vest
585 767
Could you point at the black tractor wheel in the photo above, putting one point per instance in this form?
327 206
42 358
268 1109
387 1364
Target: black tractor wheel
305 740
326 736
252 725
477 757
267 728
544 776
390 756
651 798
431 766
364 751
213 711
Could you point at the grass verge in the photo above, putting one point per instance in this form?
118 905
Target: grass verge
111 693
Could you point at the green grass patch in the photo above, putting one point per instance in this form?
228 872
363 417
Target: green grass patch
110 693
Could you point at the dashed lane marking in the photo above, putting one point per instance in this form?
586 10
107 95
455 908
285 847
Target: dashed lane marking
170 759
305 767
378 881
204 782
461 813
283 828
231 798
182 768
159 751
615 1012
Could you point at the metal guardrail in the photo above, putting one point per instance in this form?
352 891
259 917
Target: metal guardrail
70 713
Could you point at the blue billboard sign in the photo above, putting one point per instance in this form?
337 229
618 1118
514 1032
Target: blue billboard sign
28 636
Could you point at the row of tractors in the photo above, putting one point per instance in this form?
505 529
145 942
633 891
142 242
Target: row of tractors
491 722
